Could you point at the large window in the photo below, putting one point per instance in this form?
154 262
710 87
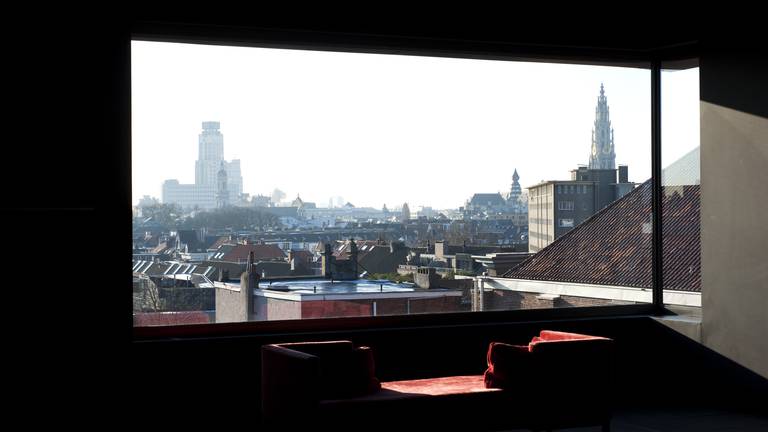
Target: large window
681 184
275 184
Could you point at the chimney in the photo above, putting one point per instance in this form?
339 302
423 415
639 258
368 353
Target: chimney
249 281
395 245
352 249
353 255
623 174
223 275
440 249
253 275
327 259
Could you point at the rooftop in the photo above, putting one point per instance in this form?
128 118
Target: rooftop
613 247
325 286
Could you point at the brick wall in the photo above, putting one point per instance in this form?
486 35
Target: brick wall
278 309
510 300
438 304
335 308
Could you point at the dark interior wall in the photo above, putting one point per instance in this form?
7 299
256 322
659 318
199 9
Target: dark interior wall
653 366
734 157
66 164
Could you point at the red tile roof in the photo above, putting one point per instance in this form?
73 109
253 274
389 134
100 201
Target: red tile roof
613 247
260 251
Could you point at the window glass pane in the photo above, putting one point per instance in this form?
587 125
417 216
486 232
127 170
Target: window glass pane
367 184
681 183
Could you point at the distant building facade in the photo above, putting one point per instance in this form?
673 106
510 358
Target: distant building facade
406 213
556 207
206 193
491 206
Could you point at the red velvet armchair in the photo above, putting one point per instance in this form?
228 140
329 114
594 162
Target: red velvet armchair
557 380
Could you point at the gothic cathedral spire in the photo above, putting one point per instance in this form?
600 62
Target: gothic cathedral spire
603 155
515 190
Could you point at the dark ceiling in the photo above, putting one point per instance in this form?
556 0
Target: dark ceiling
579 32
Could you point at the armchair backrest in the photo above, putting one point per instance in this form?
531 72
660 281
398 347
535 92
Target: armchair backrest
299 375
574 364
579 366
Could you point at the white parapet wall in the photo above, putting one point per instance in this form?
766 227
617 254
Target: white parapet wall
608 292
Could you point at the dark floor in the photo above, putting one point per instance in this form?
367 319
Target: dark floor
703 420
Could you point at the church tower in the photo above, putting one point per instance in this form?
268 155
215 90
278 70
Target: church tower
516 190
603 155
222 194
406 213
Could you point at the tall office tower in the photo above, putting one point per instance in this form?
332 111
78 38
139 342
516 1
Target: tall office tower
209 155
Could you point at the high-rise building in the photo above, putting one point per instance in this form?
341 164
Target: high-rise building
556 207
204 194
210 154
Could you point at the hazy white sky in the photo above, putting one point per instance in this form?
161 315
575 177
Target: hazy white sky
387 129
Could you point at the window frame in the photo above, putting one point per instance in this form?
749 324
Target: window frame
431 47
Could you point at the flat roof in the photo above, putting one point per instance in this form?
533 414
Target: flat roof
560 181
326 286
360 289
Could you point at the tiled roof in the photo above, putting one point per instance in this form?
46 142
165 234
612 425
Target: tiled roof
150 268
233 269
222 251
613 247
302 255
221 241
684 171
373 255
261 252
162 247
482 199
363 247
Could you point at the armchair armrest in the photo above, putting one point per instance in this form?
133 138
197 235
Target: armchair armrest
289 381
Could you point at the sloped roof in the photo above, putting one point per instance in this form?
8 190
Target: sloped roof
613 247
483 199
222 250
260 252
684 171
233 269
163 247
302 255
223 240
342 249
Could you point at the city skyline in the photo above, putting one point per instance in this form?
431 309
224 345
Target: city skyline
320 134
